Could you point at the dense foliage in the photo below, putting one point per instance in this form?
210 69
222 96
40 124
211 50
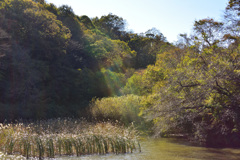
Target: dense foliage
193 88
53 63
197 93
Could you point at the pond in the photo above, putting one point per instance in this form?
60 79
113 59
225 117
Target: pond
163 149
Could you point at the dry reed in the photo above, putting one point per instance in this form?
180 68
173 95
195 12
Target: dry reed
66 137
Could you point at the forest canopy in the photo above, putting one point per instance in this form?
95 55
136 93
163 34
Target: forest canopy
54 63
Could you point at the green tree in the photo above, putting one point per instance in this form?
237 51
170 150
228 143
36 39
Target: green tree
40 1
111 25
109 53
147 46
38 29
87 22
199 95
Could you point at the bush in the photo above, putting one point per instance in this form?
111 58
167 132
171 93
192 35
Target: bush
124 109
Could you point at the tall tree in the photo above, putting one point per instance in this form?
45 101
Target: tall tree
208 31
38 29
111 25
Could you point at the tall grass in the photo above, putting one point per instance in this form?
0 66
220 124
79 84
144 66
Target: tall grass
66 137
124 108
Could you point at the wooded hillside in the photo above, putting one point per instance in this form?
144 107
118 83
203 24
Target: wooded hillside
54 63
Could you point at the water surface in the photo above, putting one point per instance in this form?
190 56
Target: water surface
170 149
163 149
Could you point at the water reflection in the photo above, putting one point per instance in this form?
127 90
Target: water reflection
170 149
165 149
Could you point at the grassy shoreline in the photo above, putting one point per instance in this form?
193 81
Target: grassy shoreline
73 137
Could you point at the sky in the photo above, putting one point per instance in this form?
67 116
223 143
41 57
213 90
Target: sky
170 17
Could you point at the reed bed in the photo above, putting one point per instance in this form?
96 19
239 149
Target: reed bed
59 137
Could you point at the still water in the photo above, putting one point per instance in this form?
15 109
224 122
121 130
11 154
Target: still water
165 149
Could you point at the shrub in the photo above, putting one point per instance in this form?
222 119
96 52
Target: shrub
124 109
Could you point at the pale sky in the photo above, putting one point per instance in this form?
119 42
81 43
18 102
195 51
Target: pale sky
171 17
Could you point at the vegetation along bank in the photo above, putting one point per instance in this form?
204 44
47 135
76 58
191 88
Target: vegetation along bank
54 63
